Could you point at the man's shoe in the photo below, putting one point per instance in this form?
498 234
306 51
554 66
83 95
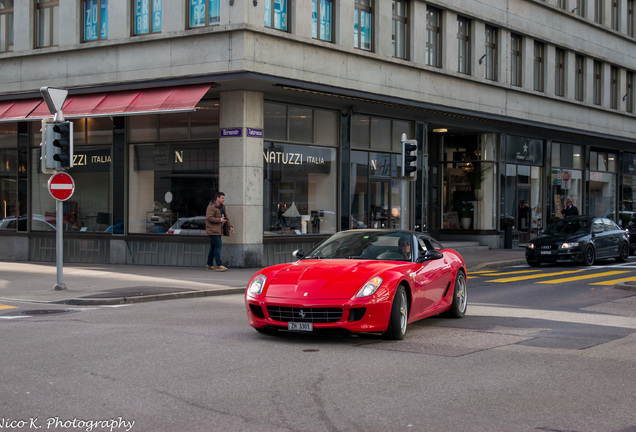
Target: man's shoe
210 267
221 268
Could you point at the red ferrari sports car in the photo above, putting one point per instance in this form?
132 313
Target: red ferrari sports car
363 280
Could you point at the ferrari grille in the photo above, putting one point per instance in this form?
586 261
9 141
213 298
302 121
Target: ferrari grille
311 315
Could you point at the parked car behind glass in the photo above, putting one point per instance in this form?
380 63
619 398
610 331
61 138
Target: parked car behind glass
189 226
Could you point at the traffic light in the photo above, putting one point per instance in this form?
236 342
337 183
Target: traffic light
63 143
409 158
48 150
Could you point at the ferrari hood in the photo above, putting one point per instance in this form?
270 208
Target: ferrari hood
323 279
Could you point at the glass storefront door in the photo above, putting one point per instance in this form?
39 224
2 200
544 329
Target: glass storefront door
380 204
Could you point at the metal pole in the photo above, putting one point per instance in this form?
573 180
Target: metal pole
59 246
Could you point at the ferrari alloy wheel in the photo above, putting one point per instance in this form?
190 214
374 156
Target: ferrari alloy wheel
589 256
399 315
624 252
460 297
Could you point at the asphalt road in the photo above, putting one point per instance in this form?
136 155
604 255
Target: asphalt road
528 356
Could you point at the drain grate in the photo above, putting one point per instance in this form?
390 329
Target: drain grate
44 311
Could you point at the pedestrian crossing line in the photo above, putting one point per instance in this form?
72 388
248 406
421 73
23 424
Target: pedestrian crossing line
2 307
533 276
482 271
615 281
587 276
513 273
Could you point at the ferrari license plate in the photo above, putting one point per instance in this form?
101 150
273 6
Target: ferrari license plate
300 326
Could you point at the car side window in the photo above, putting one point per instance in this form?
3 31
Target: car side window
610 225
598 226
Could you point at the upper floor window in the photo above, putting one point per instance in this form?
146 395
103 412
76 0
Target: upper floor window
561 4
48 19
491 53
515 60
463 45
615 15
147 15
95 20
363 21
579 8
400 28
579 79
202 13
630 18
322 19
598 82
559 73
276 14
629 96
6 25
433 37
598 11
539 61
614 87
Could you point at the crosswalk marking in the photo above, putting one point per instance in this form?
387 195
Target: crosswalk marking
533 276
587 276
615 281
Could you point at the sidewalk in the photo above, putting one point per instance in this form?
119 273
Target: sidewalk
97 284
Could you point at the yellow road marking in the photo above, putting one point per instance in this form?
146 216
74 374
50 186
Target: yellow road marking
615 281
513 273
7 307
534 276
587 276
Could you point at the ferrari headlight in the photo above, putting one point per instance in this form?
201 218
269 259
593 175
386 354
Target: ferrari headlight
257 285
569 245
370 287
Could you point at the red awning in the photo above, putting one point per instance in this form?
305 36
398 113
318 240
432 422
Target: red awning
127 102
19 109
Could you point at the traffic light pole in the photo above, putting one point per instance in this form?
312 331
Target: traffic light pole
59 245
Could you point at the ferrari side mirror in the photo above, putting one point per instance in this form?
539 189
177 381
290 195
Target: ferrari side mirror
298 253
430 255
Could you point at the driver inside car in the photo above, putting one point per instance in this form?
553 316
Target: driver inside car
405 247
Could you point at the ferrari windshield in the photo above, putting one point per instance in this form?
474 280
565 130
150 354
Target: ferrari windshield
570 227
390 246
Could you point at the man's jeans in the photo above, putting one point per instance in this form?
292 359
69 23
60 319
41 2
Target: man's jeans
215 250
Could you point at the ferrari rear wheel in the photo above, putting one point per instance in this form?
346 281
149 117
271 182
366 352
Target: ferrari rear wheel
460 297
399 315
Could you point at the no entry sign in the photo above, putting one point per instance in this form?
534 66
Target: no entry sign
61 186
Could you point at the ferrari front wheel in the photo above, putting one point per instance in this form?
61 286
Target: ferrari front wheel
399 315
460 297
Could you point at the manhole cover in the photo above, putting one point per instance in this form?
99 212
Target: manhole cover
44 311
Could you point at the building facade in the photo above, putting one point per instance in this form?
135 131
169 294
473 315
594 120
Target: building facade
295 109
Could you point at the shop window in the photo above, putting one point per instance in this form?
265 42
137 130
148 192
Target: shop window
400 28
6 25
433 37
173 171
566 178
300 124
48 20
276 14
378 133
628 195
363 25
602 184
298 189
202 13
9 212
95 20
92 174
322 20
171 185
147 16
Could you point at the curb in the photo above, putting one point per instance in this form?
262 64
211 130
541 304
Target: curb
148 298
629 285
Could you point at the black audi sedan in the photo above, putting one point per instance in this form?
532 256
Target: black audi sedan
581 239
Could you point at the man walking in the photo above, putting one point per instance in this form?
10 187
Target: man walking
215 219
